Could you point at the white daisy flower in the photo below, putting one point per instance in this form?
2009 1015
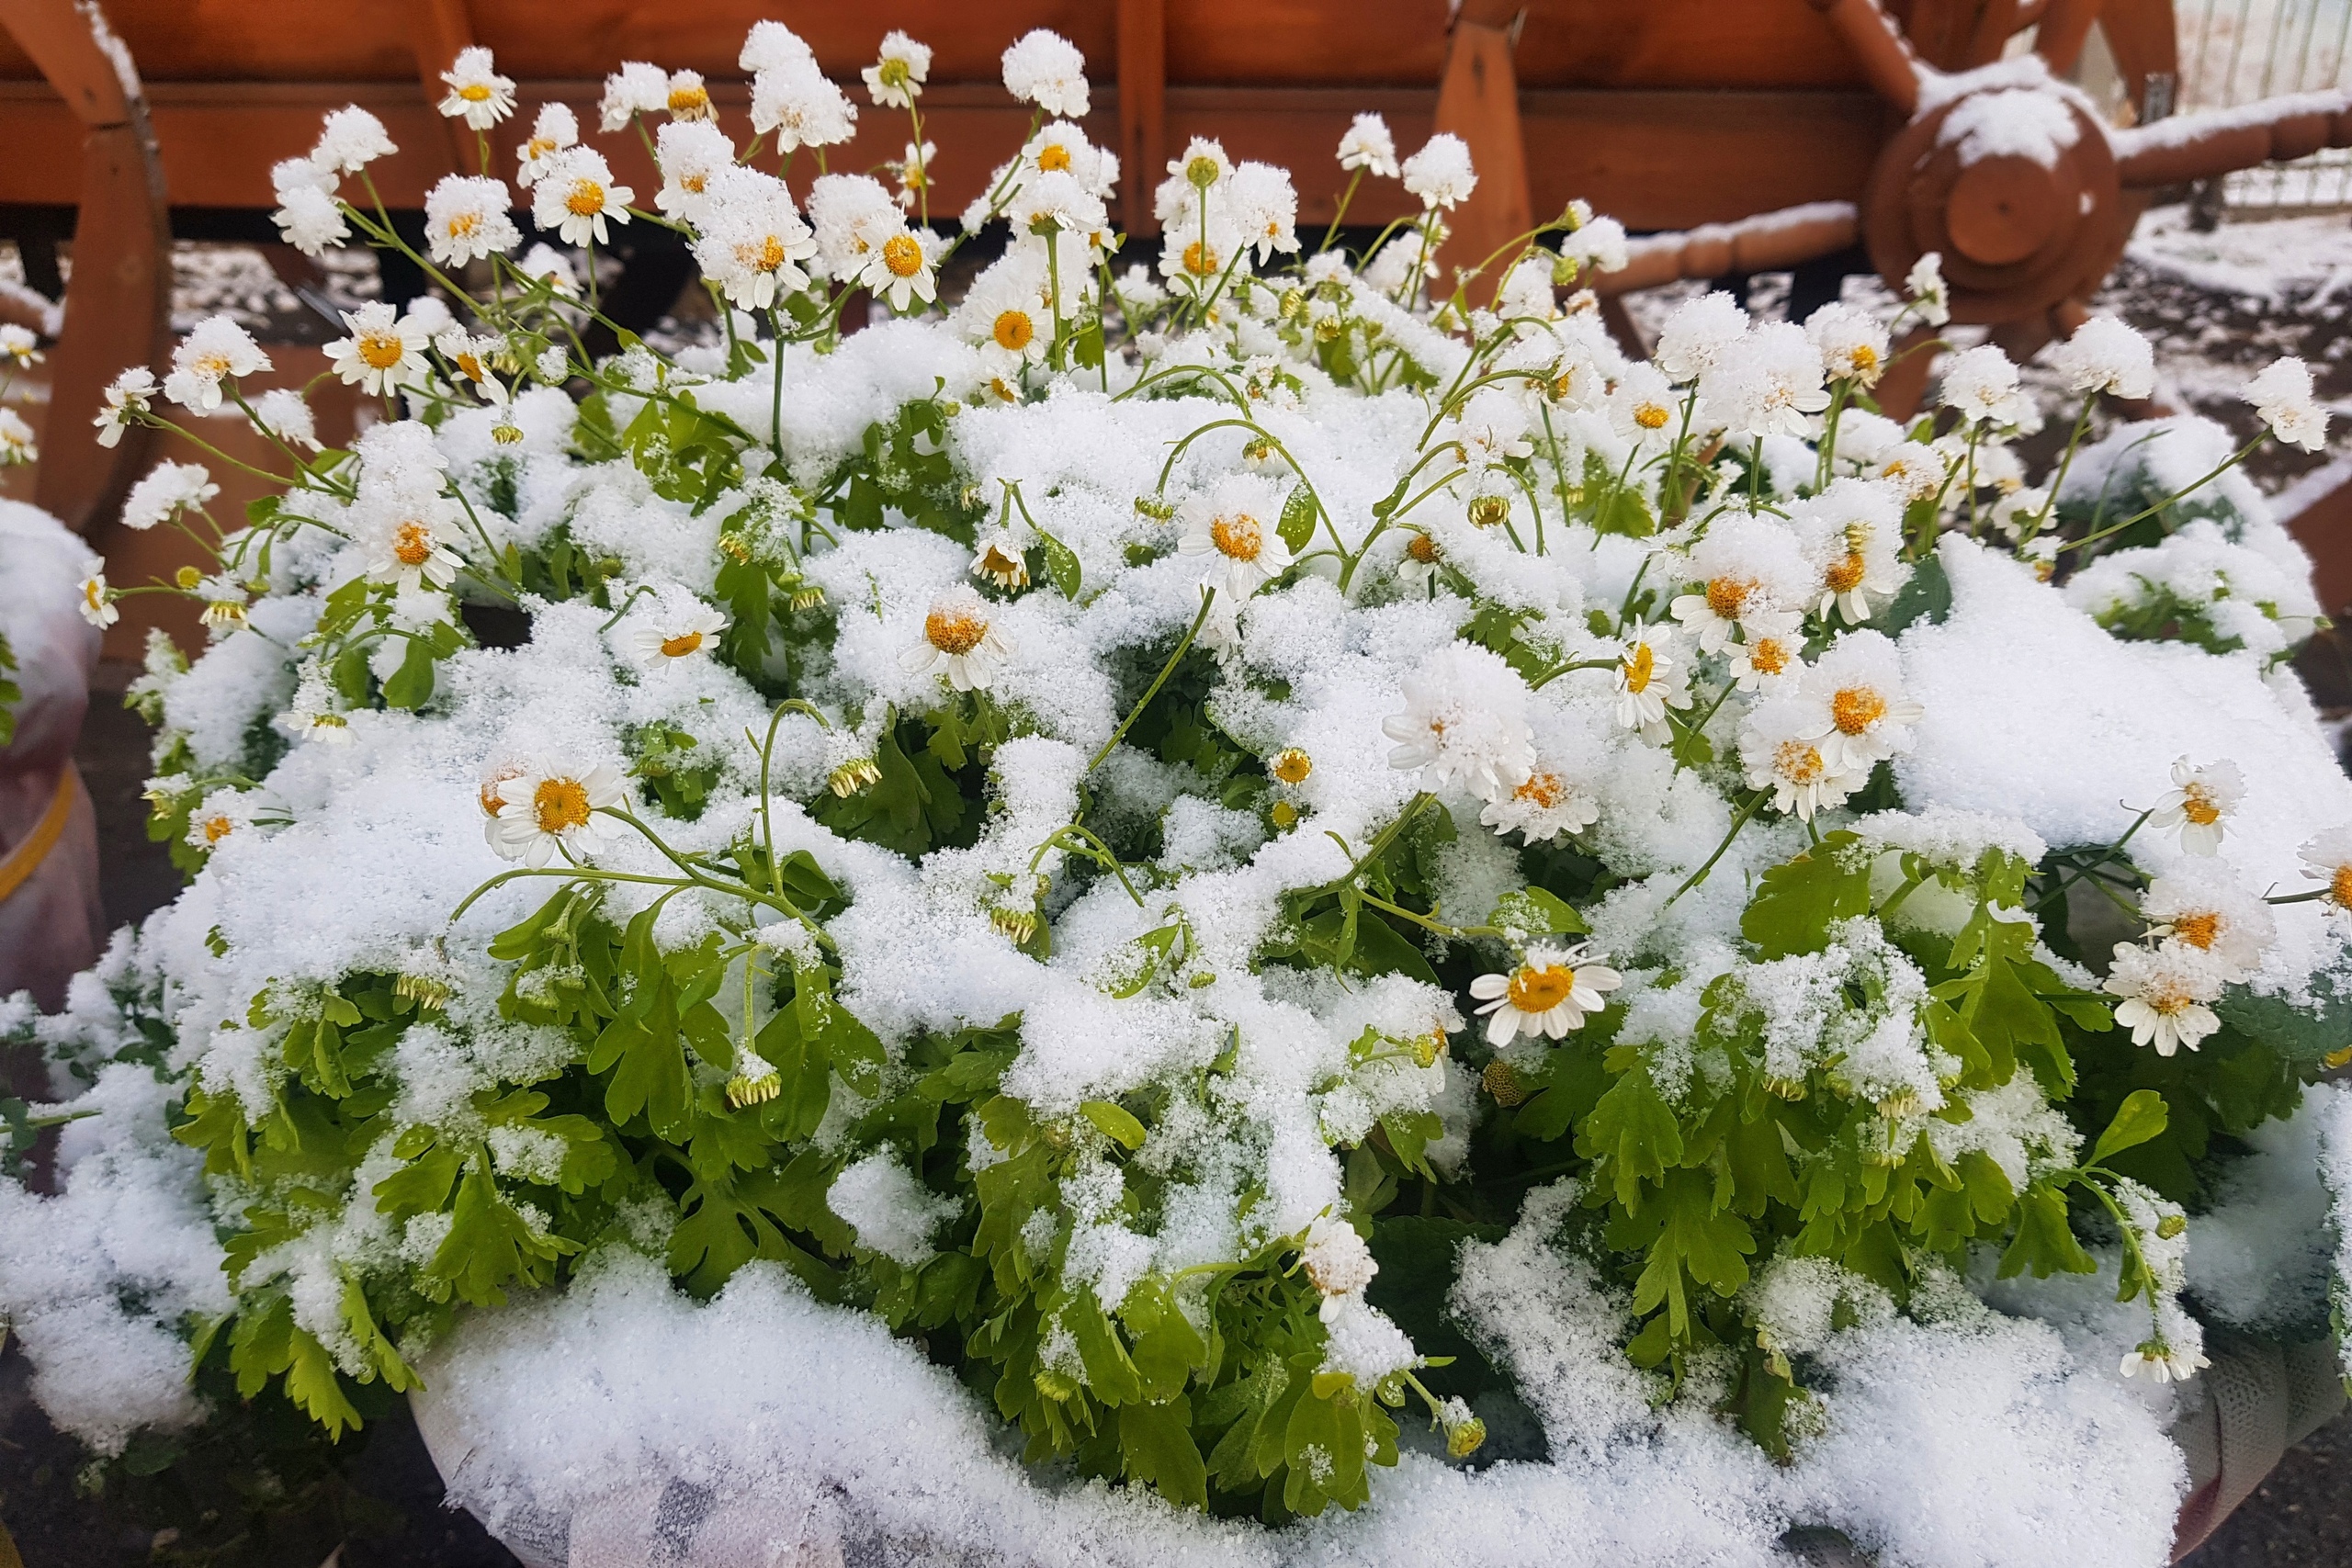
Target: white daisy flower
2201 798
167 488
1769 655
350 141
998 557
900 269
1779 747
2161 1362
689 97
556 128
219 815
1864 716
132 392
2106 355
1368 146
2164 991
284 414
217 350
97 601
465 217
384 353
1551 993
406 543
1417 568
2328 859
1338 1262
753 241
575 195
18 444
800 107
1852 536
1981 384
638 87
1924 286
960 639
1542 806
896 78
550 807
1767 383
1650 680
1643 407
1749 570
1233 527
1852 344
478 94
1698 333
1464 723
671 633
690 151
1007 313
2282 396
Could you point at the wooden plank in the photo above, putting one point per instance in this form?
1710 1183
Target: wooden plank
64 45
1479 101
439 30
1143 109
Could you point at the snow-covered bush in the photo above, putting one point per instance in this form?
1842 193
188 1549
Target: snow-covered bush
1228 849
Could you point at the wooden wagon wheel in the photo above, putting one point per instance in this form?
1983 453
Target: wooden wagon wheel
117 312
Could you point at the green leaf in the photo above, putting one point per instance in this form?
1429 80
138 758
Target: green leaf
1796 902
411 683
2141 1117
1927 597
1692 1238
490 1243
2300 1035
1633 1134
1109 1371
1061 564
1114 1123
1156 1441
2044 1243
648 1063
1537 913
1297 525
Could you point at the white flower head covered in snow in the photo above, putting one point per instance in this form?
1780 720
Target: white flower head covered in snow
1766 384
753 241
1852 538
2164 993
478 94
900 269
384 352
1464 723
167 488
575 194
1981 384
1924 284
1751 569
1441 172
2282 396
1543 806
800 107
691 152
284 414
2199 804
1551 993
1368 146
1650 680
1337 1261
465 217
1235 526
1699 334
1046 69
2200 904
2161 1363
1852 344
2328 860
638 87
2106 355
676 628
407 542
216 350
961 639
556 128
896 78
350 141
1864 715
128 394
549 807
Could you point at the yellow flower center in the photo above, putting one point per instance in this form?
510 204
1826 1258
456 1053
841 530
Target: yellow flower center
1845 574
693 184
381 351
1768 655
538 147
412 544
468 366
1798 762
2200 806
490 801
1856 708
1862 357
1238 536
680 646
1013 331
94 594
559 804
1727 596
1640 669
954 632
902 255
1199 260
1292 765
1650 416
586 200
1542 790
1423 548
1053 156
2339 886
462 224
1540 990
218 828
212 364
996 563
2168 997
766 257
475 92
690 102
2199 929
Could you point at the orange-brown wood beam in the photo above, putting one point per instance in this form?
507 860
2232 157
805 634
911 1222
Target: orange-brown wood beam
117 312
1477 99
1143 109
438 30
